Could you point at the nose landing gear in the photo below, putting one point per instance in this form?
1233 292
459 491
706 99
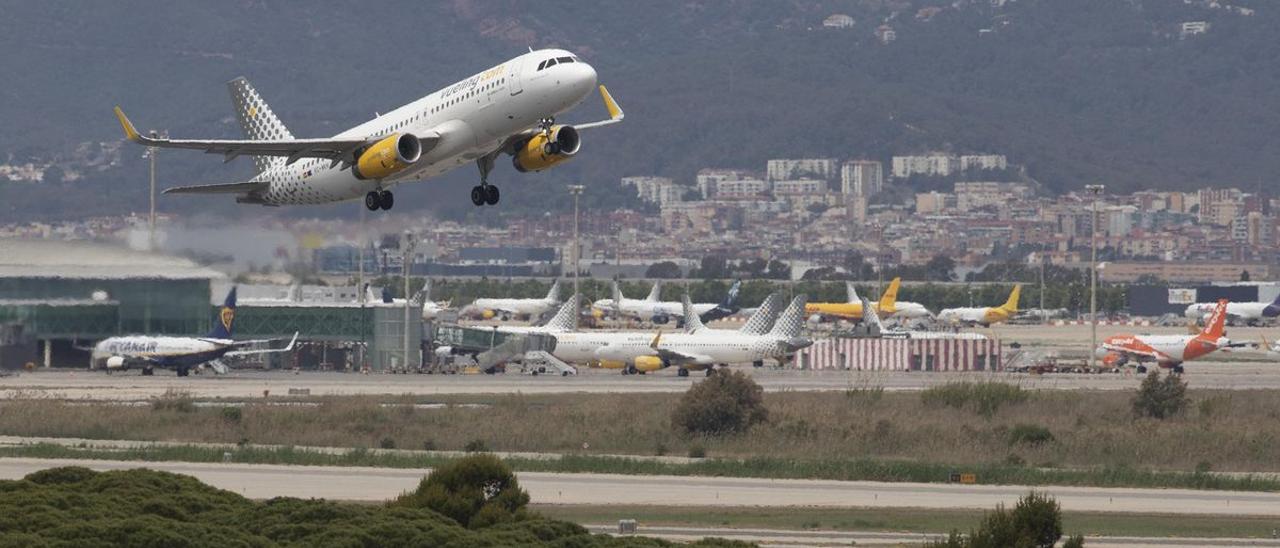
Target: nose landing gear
379 199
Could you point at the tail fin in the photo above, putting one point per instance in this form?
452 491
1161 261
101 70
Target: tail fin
224 324
851 292
1215 327
617 294
889 300
732 296
1011 305
257 120
426 290
760 322
1272 310
564 320
791 321
655 293
553 294
692 322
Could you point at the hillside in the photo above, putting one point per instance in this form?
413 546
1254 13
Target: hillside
1079 92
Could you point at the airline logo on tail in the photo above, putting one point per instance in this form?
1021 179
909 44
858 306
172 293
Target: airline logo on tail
227 316
889 300
1214 328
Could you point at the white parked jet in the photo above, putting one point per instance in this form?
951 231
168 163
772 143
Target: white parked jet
506 308
659 312
510 108
1248 313
639 352
986 316
180 353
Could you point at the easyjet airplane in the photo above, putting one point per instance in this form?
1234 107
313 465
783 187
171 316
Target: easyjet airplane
1168 351
508 109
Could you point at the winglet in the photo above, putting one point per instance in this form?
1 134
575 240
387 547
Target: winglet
615 112
130 132
656 339
290 347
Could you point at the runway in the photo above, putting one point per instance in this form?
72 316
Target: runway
377 484
98 385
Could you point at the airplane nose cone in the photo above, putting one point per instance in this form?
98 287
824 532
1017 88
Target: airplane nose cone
585 78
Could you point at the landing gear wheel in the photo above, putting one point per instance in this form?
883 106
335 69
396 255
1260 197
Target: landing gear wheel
147 371
387 199
1142 369
711 371
491 194
182 372
373 201
477 195
1177 369
682 372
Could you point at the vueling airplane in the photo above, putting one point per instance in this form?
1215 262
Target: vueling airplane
659 312
507 308
510 108
180 353
985 315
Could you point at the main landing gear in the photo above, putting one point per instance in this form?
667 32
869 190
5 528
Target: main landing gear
485 193
379 199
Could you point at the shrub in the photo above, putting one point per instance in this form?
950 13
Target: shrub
697 451
1030 434
232 414
428 445
476 446
63 475
1161 399
174 400
387 443
476 491
1036 521
726 403
984 398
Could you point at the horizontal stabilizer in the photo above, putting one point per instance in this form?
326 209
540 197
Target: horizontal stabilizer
219 188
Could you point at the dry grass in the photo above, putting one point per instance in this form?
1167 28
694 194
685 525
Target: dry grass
1223 431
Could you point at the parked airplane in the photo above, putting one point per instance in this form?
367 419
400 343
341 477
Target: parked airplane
431 309
506 308
180 353
1247 313
510 108
700 350
660 312
1168 351
851 310
985 315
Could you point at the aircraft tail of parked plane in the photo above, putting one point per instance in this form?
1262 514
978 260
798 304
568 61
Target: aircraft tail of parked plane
1011 306
225 326
790 322
655 293
727 307
888 299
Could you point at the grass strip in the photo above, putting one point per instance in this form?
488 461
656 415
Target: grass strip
907 520
756 467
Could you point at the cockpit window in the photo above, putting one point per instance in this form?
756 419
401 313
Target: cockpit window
563 60
551 63
542 65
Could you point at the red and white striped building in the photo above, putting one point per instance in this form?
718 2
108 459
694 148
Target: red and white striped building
934 352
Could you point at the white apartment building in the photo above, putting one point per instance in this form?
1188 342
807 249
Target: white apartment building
656 190
983 161
936 164
743 188
799 186
708 179
861 178
812 168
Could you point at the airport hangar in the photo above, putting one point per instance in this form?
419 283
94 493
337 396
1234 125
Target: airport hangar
58 297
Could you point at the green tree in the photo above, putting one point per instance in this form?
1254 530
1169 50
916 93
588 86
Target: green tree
476 491
729 402
1161 399
940 268
664 269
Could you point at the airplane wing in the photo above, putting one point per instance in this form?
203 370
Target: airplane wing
239 344
615 112
218 188
675 357
337 150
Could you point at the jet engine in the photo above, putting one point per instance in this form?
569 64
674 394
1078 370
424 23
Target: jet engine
546 149
115 362
649 363
388 157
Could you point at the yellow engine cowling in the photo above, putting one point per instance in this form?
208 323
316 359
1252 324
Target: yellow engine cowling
388 157
611 364
648 363
547 149
488 314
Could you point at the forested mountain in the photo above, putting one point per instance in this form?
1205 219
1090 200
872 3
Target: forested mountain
1078 91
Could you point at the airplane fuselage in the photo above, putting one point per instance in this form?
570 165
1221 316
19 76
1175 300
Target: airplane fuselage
160 351
474 116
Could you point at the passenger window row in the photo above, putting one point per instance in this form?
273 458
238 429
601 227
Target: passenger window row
558 60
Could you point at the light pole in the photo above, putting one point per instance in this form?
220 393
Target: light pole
408 259
1094 190
575 191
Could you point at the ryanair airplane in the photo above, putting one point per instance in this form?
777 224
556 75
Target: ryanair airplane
510 108
180 353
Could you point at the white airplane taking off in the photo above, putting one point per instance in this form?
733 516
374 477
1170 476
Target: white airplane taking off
510 108
180 353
